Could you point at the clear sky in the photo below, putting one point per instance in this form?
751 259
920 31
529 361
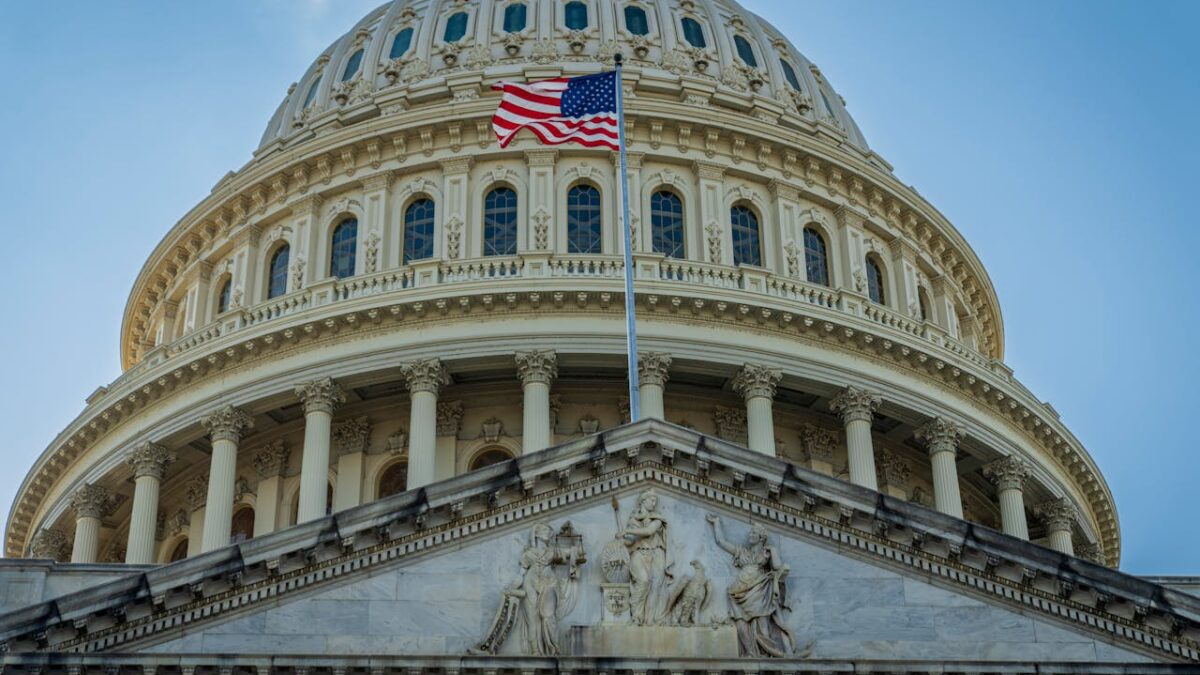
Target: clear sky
1060 137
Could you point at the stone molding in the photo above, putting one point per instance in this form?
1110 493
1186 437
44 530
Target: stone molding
351 436
92 501
1008 473
150 459
449 417
940 435
755 381
271 459
818 442
425 376
227 424
1057 514
853 404
536 367
320 395
654 368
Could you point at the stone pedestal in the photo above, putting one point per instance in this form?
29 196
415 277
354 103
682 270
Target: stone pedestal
614 608
630 641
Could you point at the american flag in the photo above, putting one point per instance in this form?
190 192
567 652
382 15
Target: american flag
579 110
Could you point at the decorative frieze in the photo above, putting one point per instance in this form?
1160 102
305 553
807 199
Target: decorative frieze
150 459
321 395
854 404
755 381
540 366
227 423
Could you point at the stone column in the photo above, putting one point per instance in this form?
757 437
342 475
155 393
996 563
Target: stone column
350 439
425 380
941 438
1058 515
653 373
149 461
1009 475
90 503
195 494
225 427
269 463
537 369
757 384
855 407
320 397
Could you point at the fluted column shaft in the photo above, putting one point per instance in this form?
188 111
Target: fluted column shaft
320 397
90 503
1058 515
1009 475
856 408
941 438
149 462
653 372
757 384
537 369
425 380
225 427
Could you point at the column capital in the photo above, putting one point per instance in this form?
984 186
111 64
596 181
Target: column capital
449 417
91 501
818 442
1091 552
196 492
891 468
754 380
537 366
50 543
940 435
654 368
428 376
271 459
227 424
1007 473
854 404
320 395
1057 514
150 459
351 436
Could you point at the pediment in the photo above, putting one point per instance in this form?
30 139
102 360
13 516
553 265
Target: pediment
456 568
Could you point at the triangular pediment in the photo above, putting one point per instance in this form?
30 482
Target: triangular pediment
425 573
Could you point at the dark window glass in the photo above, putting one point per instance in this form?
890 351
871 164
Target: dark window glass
277 283
575 15
745 51
394 480
816 264
789 74
489 457
666 224
694 33
312 91
341 255
456 28
922 304
514 18
583 219
500 222
179 552
418 230
746 248
874 281
635 20
224 298
242 527
352 65
401 43
827 104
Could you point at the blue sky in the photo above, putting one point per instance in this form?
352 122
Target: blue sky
1060 138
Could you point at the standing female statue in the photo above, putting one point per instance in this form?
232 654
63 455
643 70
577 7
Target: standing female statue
758 596
650 562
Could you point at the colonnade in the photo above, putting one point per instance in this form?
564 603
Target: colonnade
537 369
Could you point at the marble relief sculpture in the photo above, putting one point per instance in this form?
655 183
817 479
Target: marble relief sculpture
690 597
758 596
646 534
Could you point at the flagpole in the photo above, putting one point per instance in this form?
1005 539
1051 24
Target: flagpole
635 408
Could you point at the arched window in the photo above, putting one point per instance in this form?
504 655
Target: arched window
401 43
575 15
500 222
489 457
744 51
352 65
583 219
816 264
874 280
456 27
179 552
418 230
827 104
747 249
693 32
277 281
635 20
514 17
789 74
923 304
341 253
666 224
242 526
312 91
225 296
393 480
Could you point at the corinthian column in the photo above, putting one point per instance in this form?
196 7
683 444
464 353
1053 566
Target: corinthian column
653 373
225 427
320 397
1009 475
855 407
537 369
1058 515
90 503
425 380
941 438
149 461
757 384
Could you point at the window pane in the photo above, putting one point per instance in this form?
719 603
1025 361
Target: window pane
815 262
789 74
401 43
345 240
635 20
666 224
828 106
583 219
746 248
874 281
277 285
489 457
922 304
242 526
418 230
394 480
575 15
456 28
312 91
500 222
223 299
179 552
694 33
514 18
745 51
352 65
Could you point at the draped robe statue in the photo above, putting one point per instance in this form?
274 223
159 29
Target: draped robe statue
650 565
758 596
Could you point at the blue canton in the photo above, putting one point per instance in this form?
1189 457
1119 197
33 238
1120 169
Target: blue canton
590 94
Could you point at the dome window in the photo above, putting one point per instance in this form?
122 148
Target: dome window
418 230
789 74
312 92
635 20
489 457
575 15
816 264
401 43
456 28
827 104
225 296
747 249
277 281
874 281
352 66
583 219
923 304
666 223
345 243
693 32
500 222
393 481
241 527
744 51
515 17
